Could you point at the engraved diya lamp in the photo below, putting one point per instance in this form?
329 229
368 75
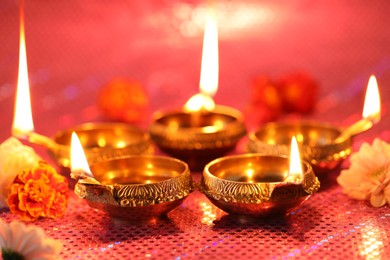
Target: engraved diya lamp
131 187
101 140
323 145
198 137
259 185
201 131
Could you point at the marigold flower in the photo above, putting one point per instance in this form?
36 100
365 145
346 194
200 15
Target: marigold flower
38 192
368 177
14 157
18 241
123 99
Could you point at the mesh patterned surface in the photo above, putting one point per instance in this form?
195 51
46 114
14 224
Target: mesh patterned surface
328 225
75 47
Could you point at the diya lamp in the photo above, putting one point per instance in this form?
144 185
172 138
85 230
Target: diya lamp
132 187
102 140
200 131
259 185
324 145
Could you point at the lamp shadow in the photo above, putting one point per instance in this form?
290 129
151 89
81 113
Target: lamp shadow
328 180
296 224
112 229
3 210
120 230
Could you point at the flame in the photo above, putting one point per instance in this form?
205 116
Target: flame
295 171
372 102
23 121
200 101
208 85
209 70
78 161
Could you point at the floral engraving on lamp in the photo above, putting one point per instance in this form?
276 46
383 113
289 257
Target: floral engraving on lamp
143 195
368 177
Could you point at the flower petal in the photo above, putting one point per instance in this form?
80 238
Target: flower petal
29 241
369 174
14 157
38 192
377 200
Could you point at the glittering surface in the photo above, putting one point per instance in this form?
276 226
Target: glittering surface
74 47
329 224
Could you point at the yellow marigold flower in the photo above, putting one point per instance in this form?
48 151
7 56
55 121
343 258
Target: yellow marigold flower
38 192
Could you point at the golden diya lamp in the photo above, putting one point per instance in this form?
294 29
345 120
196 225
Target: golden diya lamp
259 185
131 187
101 140
323 145
201 131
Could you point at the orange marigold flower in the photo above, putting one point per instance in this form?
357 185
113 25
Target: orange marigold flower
38 192
123 99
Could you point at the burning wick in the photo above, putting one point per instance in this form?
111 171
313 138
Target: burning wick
23 126
23 115
371 112
79 164
295 174
200 102
208 84
372 107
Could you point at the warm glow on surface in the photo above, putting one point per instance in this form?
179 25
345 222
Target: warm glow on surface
217 126
209 70
78 161
372 103
249 173
295 170
371 245
209 214
23 122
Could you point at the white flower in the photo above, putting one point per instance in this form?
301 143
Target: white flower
14 157
26 242
368 177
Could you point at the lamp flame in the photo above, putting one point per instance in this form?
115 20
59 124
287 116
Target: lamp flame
209 70
295 171
372 103
78 161
23 121
199 102
208 85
